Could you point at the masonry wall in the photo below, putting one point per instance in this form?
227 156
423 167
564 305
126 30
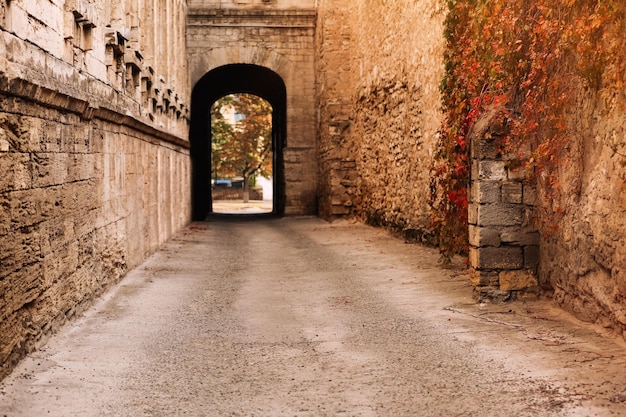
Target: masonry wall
380 67
277 35
94 164
583 257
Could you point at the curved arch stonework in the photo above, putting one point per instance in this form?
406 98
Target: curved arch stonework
218 57
282 41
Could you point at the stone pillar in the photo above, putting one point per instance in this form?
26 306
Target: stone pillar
504 244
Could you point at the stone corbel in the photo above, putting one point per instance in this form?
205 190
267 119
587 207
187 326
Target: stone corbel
133 58
146 79
83 12
117 39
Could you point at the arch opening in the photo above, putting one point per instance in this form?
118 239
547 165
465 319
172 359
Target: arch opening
217 83
241 155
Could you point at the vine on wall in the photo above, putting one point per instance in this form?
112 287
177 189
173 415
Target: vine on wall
522 60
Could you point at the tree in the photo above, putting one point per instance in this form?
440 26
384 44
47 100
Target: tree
221 133
241 126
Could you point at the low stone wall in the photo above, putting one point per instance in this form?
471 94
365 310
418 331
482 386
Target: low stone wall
503 237
233 193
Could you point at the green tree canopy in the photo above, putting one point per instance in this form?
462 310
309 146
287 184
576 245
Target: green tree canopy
241 129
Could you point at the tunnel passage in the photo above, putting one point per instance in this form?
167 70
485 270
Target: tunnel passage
221 81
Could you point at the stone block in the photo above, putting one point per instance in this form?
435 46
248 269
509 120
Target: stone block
504 257
15 171
81 167
491 294
334 164
517 280
531 257
483 236
348 163
529 195
59 264
488 170
32 131
25 207
50 169
19 249
516 174
520 237
484 278
19 288
485 149
472 214
512 192
499 215
485 192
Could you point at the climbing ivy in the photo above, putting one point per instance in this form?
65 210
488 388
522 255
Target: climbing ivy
522 61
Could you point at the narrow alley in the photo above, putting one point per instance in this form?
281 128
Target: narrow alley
298 317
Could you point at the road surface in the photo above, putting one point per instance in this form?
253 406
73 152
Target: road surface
298 317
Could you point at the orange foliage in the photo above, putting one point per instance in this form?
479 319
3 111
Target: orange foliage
524 55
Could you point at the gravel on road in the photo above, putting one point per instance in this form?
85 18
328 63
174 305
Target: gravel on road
299 317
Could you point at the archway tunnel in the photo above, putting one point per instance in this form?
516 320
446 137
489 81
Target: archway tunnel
217 83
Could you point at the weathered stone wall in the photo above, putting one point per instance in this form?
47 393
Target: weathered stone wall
380 68
583 257
337 183
503 236
278 36
94 164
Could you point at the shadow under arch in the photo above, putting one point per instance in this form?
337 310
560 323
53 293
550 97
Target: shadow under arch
221 81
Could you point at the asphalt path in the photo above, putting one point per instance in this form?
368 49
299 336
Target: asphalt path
298 317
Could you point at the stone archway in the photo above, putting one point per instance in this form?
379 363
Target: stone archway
232 79
279 38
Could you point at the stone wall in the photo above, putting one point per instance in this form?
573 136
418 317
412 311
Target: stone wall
94 161
236 193
337 183
583 257
503 236
380 67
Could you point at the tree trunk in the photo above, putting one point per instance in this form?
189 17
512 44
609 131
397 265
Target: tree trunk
246 189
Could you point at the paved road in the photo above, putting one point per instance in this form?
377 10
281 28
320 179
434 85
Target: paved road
297 317
239 207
